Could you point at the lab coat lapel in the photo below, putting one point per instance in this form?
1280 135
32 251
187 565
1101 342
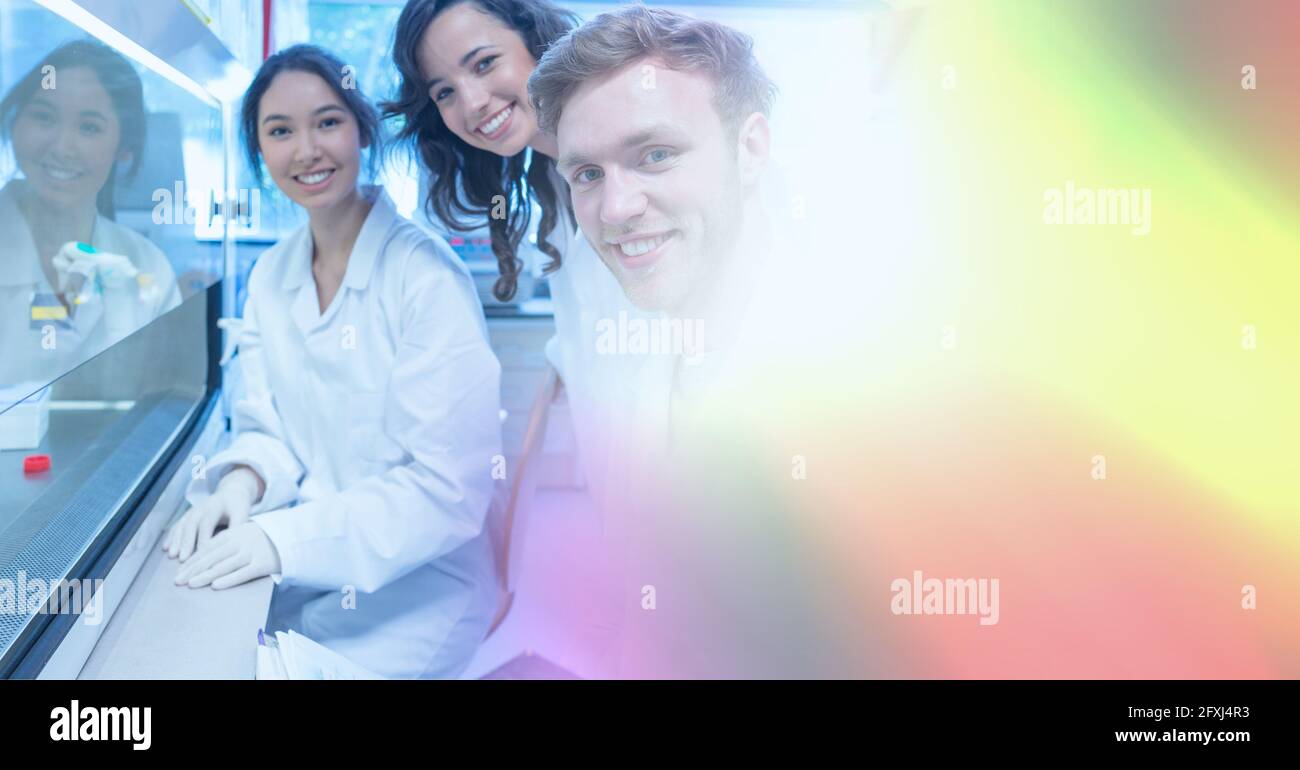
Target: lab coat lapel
23 265
305 309
651 387
371 239
307 315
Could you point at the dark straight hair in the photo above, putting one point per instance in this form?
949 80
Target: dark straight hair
465 180
328 67
125 91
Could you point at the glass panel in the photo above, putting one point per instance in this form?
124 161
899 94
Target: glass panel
107 176
109 255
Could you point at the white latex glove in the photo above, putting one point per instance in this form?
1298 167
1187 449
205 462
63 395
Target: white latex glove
115 270
76 279
236 555
229 505
77 265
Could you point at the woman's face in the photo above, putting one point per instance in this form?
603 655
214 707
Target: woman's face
309 140
477 70
66 139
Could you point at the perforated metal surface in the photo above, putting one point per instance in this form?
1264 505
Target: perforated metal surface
47 538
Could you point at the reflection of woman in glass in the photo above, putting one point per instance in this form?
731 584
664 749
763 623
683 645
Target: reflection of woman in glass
73 121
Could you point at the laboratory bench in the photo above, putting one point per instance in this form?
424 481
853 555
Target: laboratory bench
158 630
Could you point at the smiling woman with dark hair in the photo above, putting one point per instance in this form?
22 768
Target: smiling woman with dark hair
358 473
330 70
75 123
464 67
465 107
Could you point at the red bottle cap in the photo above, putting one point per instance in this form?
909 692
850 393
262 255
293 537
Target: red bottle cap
36 463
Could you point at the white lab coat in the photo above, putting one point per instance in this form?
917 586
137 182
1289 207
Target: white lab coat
633 413
624 404
374 426
600 390
584 292
27 357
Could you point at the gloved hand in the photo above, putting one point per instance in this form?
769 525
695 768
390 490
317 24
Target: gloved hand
115 270
229 505
235 556
82 270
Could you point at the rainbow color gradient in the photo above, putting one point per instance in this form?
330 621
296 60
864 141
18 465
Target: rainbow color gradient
1107 421
1174 355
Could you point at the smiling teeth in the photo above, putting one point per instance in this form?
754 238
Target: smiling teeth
643 246
496 122
314 178
61 174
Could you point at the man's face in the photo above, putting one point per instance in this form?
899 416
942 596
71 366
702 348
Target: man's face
655 181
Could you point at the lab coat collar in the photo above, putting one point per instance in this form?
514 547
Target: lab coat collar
21 265
370 241
298 267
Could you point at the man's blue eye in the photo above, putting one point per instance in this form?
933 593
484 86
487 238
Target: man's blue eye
658 156
583 175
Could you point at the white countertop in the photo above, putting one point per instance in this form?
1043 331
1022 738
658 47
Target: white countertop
165 631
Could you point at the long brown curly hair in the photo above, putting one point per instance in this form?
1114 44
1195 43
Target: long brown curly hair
466 180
